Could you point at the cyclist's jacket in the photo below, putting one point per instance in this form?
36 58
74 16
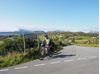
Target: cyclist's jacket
46 42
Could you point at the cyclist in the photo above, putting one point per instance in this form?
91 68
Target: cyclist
46 43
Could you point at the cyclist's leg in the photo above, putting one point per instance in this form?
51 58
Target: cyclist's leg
49 50
46 50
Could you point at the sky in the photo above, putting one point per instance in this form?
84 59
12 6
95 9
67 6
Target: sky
49 15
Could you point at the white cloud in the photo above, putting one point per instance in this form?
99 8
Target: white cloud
5 28
44 27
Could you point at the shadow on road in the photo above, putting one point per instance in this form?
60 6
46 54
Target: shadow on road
62 56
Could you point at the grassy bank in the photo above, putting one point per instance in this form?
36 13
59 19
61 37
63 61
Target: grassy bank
17 58
87 41
14 58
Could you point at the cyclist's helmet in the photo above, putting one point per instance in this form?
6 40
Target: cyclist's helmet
46 36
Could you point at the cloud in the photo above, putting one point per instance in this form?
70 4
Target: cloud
5 28
44 27
34 27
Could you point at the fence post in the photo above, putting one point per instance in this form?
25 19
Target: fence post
24 42
38 41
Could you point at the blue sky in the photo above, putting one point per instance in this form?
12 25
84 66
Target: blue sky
49 15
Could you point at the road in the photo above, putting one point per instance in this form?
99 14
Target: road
71 60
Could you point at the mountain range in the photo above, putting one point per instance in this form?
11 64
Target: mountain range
19 32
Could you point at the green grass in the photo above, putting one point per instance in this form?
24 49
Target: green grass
15 58
1 42
82 37
86 41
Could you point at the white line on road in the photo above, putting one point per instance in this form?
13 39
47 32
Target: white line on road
4 70
39 64
55 62
21 67
92 57
68 60
81 59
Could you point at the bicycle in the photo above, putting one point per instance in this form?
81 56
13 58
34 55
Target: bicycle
44 51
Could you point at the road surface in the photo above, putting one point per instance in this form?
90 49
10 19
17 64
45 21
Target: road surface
71 60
